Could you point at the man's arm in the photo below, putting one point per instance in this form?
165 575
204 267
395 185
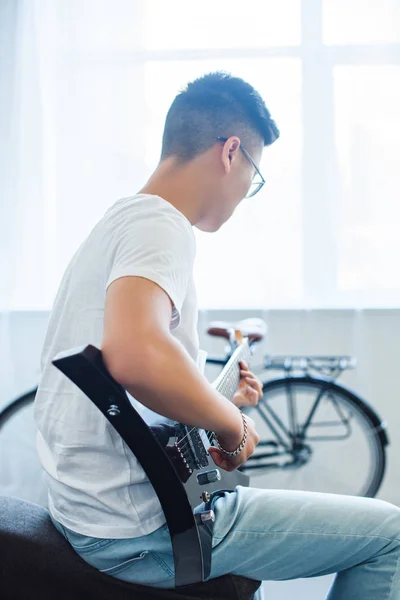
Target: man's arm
143 356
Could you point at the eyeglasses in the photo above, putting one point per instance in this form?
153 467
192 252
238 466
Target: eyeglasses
256 185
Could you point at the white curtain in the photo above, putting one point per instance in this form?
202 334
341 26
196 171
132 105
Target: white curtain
85 85
8 143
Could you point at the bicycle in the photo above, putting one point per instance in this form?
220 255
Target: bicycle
304 398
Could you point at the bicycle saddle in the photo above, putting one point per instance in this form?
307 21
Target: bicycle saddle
254 329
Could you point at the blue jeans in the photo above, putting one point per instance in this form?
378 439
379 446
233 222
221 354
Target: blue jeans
274 535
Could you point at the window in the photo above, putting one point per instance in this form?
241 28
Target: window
97 81
367 136
179 24
361 21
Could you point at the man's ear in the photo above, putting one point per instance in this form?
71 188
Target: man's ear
230 148
233 146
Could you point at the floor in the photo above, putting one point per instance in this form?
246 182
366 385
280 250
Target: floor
299 589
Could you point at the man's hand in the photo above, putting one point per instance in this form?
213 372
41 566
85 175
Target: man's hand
249 390
230 463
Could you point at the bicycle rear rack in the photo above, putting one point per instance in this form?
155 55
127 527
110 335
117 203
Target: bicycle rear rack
327 365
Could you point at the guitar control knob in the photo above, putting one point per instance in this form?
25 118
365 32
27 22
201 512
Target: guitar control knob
208 477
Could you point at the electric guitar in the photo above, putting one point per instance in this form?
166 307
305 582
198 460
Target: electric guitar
173 455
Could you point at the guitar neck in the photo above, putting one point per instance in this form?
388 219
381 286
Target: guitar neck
228 380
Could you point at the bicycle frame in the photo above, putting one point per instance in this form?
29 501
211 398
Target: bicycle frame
292 439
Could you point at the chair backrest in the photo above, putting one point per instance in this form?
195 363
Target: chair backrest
37 562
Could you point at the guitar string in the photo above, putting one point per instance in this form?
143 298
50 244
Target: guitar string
221 391
228 392
226 386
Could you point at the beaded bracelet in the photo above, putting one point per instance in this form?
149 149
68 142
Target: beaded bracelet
241 445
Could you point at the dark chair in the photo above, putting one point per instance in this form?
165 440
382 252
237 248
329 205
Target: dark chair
37 563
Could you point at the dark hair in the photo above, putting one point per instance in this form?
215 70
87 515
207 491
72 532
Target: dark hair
216 104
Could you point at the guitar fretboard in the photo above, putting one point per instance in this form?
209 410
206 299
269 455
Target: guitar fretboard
228 380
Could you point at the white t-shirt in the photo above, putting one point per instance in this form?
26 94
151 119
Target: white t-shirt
96 485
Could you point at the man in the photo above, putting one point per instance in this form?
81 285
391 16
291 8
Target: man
129 288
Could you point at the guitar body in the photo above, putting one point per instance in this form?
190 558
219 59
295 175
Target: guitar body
228 481
174 457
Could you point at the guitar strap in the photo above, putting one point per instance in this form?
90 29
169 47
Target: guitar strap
192 542
205 517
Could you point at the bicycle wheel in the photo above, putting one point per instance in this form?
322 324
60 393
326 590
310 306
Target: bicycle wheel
316 436
21 474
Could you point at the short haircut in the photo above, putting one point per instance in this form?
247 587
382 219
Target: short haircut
216 104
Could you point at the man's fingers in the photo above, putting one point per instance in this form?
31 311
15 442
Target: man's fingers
253 381
245 373
250 377
252 395
220 460
252 385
